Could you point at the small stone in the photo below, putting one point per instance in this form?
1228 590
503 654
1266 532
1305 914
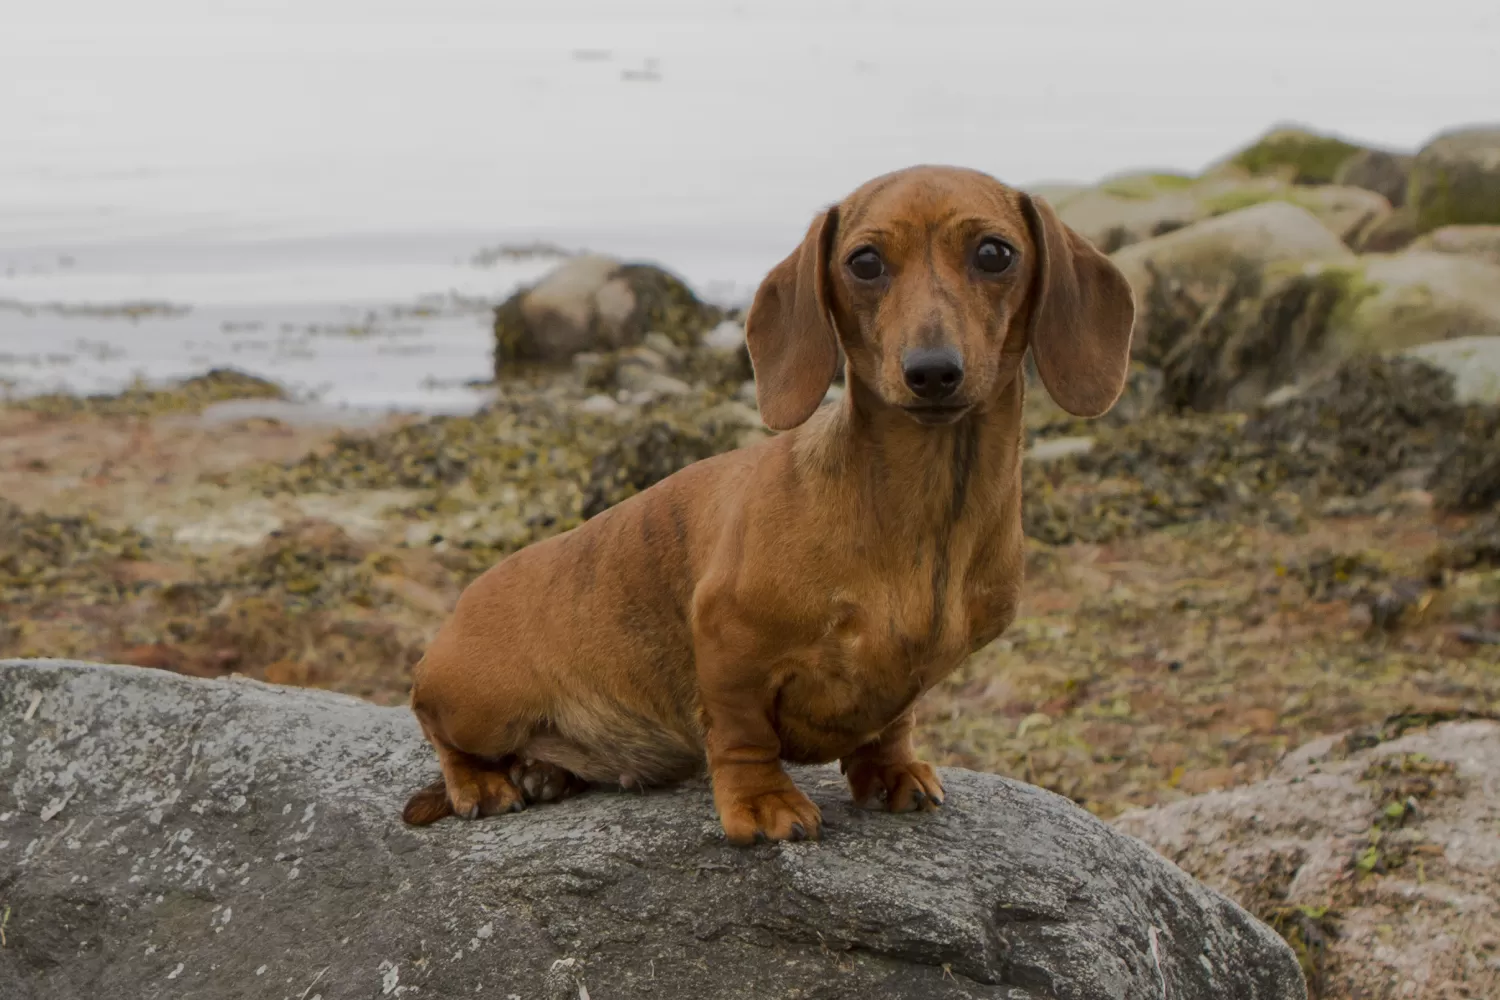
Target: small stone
593 370
662 345
726 338
598 405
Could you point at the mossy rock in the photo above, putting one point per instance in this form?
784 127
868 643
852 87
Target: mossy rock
1416 298
1146 185
1232 309
1178 278
1347 212
596 304
1456 180
1134 208
1261 332
1297 155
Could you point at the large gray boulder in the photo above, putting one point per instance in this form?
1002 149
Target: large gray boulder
594 303
1376 851
168 837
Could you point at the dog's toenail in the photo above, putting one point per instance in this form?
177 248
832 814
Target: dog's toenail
798 832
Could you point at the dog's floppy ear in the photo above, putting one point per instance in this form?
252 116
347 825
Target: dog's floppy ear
1082 312
794 350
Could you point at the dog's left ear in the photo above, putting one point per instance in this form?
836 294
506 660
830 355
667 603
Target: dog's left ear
1082 313
794 350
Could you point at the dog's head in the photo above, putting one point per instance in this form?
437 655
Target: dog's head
936 280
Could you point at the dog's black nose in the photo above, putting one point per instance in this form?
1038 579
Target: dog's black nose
933 373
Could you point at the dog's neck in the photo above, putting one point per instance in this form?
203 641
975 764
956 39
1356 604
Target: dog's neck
900 477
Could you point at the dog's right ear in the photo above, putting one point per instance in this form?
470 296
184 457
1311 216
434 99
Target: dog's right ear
794 350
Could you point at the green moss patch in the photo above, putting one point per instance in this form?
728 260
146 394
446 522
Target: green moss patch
1302 157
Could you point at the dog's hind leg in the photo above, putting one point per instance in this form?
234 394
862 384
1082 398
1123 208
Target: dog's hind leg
540 781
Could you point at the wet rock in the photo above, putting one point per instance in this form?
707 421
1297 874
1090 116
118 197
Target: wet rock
1372 853
1456 179
593 303
263 852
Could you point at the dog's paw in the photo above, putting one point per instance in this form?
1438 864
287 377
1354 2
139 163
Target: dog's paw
782 813
540 781
894 787
484 793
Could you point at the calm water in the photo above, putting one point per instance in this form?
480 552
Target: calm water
285 167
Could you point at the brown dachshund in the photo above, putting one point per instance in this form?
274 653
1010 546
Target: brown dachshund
791 601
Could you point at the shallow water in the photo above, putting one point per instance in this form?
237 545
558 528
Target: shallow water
296 162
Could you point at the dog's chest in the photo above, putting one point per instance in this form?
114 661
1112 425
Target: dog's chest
883 647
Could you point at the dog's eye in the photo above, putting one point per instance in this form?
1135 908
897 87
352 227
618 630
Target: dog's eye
866 264
994 257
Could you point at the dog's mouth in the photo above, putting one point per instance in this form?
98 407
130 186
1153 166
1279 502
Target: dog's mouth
937 414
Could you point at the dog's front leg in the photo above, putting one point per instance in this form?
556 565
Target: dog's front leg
755 798
886 774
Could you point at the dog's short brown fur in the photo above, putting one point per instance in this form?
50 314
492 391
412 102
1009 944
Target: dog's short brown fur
792 600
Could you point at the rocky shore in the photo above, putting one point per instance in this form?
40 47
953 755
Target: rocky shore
1287 532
